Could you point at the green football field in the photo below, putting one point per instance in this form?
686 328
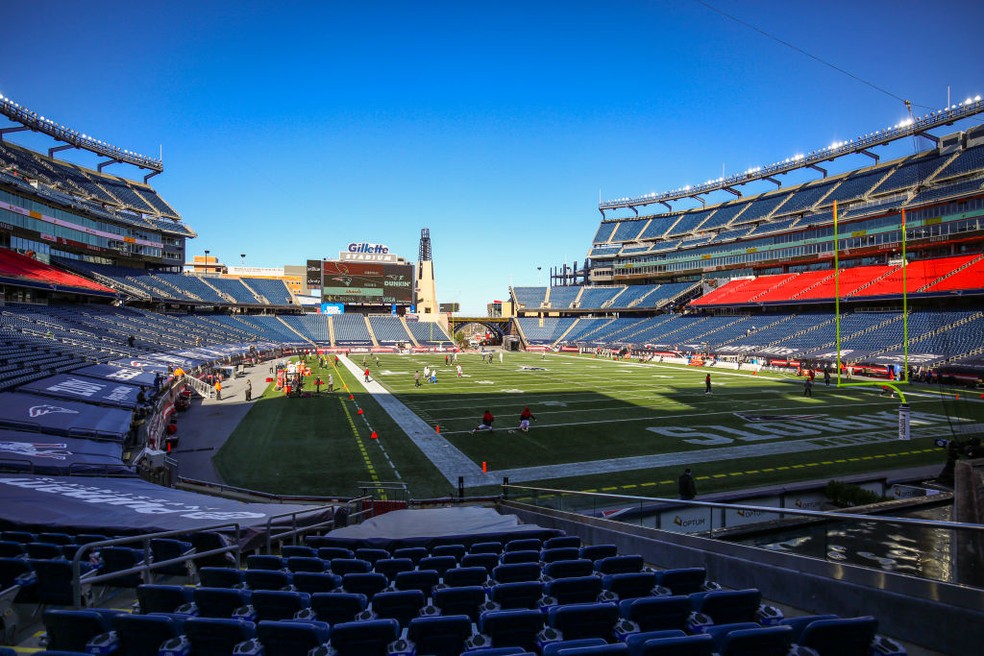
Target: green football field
600 425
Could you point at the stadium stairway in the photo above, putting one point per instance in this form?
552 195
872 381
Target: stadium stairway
260 298
372 333
413 340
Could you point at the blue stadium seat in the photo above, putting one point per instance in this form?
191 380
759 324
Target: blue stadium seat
267 579
516 572
617 649
636 641
421 579
413 553
443 635
757 641
682 581
17 571
390 567
209 636
371 555
298 550
801 622
512 628
517 594
562 541
592 620
265 561
487 560
154 598
841 636
400 605
465 600
727 606
368 638
523 544
306 564
440 564
143 635
338 607
117 559
630 585
162 549
523 556
366 583
43 550
559 553
220 602
692 645
312 582
657 613
287 638
278 604
457 551
12 549
460 576
574 590
486 548
596 552
343 566
54 582
566 568
619 564
553 648
331 553
221 577
70 630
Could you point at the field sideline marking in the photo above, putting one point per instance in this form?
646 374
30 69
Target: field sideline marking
751 472
358 440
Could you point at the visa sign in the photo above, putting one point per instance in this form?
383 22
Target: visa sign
366 247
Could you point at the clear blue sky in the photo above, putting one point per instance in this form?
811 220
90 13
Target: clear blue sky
292 129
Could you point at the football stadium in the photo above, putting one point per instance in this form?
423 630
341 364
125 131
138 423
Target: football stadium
748 422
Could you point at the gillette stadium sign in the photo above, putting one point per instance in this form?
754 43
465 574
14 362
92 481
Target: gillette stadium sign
367 252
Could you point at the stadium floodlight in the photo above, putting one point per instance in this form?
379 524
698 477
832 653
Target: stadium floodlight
907 128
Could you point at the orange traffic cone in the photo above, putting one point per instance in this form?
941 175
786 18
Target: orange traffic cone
438 429
360 411
374 435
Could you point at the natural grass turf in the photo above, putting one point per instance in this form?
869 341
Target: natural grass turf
587 410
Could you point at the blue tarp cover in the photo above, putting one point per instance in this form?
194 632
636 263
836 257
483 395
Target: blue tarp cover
38 453
82 388
425 526
32 412
118 506
117 373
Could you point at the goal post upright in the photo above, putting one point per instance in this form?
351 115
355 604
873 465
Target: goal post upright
905 315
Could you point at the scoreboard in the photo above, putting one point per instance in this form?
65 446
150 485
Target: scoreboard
368 283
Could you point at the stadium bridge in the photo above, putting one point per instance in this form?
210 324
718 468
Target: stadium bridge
501 326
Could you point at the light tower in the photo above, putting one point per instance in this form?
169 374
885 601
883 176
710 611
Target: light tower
426 294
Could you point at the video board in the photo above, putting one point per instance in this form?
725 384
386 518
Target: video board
373 283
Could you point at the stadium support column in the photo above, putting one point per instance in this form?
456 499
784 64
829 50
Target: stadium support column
426 296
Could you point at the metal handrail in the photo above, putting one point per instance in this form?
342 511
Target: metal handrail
816 514
294 530
146 566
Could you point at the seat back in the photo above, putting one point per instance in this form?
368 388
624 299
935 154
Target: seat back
219 602
338 607
116 559
465 600
368 638
694 645
400 605
523 556
760 641
220 577
443 635
293 550
371 555
486 548
460 576
211 636
512 628
167 549
306 564
267 579
657 613
265 561
343 566
595 552
457 551
155 598
70 630
368 583
518 594
487 560
523 544
562 541
286 638
559 553
840 637
575 621
516 572
331 553
143 635
413 553
390 567
683 580
278 604
54 585
574 590
630 585
312 582
619 564
421 579
440 564
728 606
